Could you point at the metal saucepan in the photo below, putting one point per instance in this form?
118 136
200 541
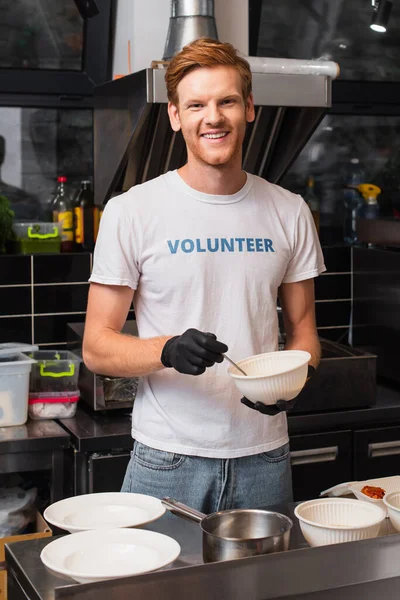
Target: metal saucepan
238 533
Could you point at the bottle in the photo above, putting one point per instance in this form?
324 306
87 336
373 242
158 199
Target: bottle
62 213
313 201
86 218
354 176
370 207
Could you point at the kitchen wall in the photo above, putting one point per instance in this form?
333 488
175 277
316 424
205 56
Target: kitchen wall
40 294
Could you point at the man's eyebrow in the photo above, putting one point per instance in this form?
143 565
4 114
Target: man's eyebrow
199 101
193 101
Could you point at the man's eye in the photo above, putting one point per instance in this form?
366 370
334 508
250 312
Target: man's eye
195 106
228 101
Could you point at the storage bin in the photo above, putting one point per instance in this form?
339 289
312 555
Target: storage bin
36 237
14 389
54 371
56 405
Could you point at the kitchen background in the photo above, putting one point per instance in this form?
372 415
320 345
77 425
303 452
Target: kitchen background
49 62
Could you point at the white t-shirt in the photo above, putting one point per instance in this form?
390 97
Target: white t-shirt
213 263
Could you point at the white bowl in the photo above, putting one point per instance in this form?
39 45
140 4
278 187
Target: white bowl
272 376
392 502
103 511
109 553
334 520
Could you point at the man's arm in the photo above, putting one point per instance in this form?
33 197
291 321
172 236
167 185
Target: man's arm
298 309
108 351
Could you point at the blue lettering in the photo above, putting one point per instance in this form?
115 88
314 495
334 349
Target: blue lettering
268 245
259 245
250 244
187 246
198 246
240 243
228 244
216 245
173 247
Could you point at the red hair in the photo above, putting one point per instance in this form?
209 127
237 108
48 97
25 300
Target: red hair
205 52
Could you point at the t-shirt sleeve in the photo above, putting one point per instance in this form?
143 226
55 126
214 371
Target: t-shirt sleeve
307 259
115 260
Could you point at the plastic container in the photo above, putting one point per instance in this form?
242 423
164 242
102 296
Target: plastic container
57 405
54 371
14 389
36 237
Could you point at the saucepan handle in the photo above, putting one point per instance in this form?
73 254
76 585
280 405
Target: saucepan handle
183 511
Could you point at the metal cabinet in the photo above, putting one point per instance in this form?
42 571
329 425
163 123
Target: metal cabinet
376 452
99 471
320 461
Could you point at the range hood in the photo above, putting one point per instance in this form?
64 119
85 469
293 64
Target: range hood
133 140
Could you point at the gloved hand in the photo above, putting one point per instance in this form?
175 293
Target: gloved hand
192 352
281 405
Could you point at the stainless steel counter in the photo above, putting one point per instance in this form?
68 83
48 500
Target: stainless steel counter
342 564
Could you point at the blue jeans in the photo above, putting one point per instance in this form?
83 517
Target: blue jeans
211 484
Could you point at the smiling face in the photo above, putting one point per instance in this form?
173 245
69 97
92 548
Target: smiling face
212 115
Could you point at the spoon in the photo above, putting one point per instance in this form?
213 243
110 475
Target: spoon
234 364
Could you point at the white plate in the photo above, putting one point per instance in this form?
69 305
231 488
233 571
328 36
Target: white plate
389 484
104 511
109 554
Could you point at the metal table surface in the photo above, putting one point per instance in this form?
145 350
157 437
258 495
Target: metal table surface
35 446
23 558
38 583
95 432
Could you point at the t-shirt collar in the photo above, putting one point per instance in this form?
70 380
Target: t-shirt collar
177 181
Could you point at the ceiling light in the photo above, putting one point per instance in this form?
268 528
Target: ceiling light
380 15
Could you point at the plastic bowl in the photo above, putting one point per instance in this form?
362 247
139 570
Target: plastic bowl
334 520
392 502
272 376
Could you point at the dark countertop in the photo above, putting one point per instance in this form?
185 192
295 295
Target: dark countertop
385 412
23 558
94 432
34 436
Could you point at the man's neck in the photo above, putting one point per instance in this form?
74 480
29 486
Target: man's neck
216 181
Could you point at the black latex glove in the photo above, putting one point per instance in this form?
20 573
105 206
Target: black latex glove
281 405
192 352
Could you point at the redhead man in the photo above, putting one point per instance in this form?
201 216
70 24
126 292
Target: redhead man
203 252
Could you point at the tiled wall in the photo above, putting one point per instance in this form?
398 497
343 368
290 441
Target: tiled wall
333 294
40 294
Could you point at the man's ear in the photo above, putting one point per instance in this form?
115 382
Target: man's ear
250 112
173 114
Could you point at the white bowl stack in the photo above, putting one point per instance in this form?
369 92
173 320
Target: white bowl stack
272 376
334 520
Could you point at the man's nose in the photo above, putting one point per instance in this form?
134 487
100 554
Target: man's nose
214 114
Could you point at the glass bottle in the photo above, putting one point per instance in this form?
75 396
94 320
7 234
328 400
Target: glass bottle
313 202
86 218
354 176
62 213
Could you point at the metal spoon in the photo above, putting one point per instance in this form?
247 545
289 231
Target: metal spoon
234 364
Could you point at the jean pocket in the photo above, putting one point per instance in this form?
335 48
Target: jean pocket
277 455
159 460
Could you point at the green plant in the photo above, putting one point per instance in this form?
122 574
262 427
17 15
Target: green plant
6 218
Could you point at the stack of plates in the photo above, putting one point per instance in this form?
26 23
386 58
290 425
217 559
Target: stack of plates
103 545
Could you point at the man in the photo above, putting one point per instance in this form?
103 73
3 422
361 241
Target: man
202 252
